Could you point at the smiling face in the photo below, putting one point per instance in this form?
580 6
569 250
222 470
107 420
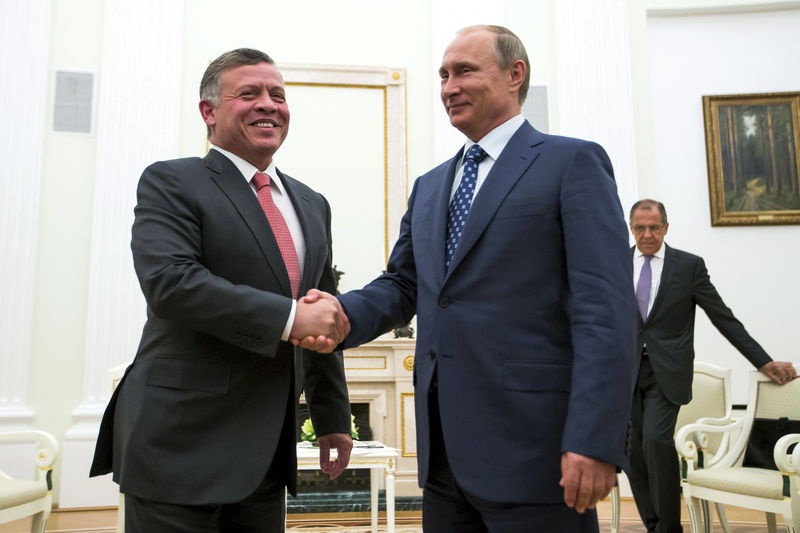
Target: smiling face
477 94
252 117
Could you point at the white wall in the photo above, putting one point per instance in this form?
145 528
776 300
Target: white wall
753 267
62 266
357 32
318 32
349 32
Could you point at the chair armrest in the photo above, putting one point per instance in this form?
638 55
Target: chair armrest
715 421
786 462
692 437
48 451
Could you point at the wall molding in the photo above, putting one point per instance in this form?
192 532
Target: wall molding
393 83
672 10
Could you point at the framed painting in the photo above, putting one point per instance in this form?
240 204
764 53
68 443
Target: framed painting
752 142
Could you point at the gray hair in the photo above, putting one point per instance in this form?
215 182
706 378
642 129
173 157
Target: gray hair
212 78
507 49
648 204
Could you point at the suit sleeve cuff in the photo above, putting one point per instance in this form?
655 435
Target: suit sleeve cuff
289 322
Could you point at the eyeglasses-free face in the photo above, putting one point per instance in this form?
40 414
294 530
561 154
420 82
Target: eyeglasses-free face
648 230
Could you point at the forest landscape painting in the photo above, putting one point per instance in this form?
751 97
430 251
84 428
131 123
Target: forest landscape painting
752 146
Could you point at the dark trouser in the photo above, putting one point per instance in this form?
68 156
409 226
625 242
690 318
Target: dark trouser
654 470
264 511
446 508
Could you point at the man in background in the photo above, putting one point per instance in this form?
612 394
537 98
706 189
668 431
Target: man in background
669 285
513 255
200 433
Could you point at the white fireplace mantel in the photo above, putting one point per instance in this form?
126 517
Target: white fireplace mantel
386 364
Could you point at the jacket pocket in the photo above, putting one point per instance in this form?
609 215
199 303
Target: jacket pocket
190 374
521 207
536 377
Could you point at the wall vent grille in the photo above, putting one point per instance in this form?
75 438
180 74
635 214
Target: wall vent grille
72 109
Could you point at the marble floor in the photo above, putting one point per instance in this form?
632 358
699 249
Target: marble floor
103 520
626 526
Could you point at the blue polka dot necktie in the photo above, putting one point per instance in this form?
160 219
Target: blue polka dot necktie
461 202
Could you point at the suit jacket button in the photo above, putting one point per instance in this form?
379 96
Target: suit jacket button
432 353
444 302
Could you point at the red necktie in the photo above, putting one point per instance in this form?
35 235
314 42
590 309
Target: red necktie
279 229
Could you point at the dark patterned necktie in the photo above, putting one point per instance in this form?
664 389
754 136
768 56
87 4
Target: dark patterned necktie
459 206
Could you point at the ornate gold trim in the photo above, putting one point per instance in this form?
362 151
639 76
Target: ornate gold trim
403 396
378 462
408 363
386 176
346 357
720 215
383 88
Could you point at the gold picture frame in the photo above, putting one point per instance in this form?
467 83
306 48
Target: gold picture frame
752 146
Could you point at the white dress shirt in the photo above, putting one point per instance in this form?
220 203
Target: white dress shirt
656 267
493 144
284 204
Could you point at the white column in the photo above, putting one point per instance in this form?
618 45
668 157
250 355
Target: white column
447 17
594 94
24 47
138 123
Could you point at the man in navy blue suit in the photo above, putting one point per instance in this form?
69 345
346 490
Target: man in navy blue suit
514 256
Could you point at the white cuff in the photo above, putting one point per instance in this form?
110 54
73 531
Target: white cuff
289 322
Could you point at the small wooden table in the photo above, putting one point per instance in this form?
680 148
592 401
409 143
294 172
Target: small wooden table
366 454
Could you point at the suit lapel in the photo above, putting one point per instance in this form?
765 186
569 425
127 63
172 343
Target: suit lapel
520 152
235 187
313 238
666 277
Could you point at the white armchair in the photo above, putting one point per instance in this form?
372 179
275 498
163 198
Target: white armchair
22 498
771 491
711 403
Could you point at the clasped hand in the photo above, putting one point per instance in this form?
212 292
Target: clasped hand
320 323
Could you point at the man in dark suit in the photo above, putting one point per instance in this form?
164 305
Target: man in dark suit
514 256
669 285
200 433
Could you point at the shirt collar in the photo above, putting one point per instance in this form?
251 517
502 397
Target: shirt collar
248 170
660 253
496 140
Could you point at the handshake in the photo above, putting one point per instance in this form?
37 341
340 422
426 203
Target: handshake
320 323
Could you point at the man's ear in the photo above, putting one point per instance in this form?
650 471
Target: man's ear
517 74
207 112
